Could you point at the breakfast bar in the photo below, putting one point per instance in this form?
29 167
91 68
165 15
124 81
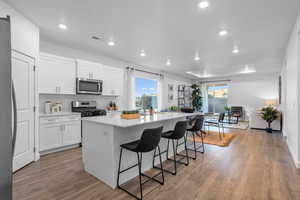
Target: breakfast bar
103 135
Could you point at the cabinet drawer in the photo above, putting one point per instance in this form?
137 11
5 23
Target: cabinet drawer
61 119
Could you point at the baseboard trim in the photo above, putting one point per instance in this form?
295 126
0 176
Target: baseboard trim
42 153
294 156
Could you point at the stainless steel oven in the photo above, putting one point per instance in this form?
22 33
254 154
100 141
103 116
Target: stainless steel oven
89 86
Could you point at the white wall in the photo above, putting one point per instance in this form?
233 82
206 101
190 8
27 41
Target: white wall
169 80
252 92
122 102
291 80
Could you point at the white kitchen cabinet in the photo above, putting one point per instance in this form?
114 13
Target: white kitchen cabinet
89 70
112 81
57 75
59 131
72 133
50 136
24 34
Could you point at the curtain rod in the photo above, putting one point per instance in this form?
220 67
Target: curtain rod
215 81
139 70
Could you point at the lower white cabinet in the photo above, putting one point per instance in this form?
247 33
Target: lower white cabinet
59 131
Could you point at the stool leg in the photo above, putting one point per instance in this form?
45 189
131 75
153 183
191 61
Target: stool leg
120 159
175 167
202 142
186 152
153 161
140 173
161 166
195 148
219 132
168 149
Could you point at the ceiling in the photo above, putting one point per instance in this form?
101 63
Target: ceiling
173 29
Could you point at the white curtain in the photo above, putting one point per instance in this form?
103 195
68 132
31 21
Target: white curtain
130 89
205 97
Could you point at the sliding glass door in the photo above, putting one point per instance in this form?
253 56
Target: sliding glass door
217 97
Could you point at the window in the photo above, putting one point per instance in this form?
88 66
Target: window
217 98
145 93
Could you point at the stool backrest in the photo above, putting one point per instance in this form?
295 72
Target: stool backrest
180 129
198 123
150 139
221 117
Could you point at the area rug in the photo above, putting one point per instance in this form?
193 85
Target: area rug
213 138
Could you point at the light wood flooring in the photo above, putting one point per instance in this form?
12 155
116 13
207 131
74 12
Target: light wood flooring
255 166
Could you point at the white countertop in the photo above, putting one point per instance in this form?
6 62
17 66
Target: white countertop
59 114
115 119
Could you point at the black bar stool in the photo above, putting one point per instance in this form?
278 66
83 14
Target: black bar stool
195 130
148 142
178 133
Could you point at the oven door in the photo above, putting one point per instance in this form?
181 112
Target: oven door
88 86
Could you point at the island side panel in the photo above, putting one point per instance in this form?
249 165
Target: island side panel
124 135
98 151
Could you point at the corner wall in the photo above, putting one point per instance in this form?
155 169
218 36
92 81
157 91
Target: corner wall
291 86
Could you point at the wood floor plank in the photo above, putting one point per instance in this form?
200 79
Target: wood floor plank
256 165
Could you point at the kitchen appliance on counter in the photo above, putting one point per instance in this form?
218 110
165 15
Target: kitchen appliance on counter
89 86
87 108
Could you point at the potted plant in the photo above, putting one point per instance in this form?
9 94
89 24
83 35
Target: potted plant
196 97
269 114
227 109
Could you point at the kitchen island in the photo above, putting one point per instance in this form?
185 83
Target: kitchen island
103 135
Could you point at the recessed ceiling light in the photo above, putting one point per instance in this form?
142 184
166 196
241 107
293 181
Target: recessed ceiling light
111 43
235 50
168 63
143 54
197 58
62 26
203 4
223 32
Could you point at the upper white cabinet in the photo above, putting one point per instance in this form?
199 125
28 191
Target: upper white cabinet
112 81
57 75
24 34
89 70
112 77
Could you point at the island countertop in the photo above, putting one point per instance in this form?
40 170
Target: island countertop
114 119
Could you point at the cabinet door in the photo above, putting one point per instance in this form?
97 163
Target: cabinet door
56 75
50 136
23 78
89 70
113 81
24 34
72 133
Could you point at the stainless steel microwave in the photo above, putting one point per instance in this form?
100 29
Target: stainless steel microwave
88 86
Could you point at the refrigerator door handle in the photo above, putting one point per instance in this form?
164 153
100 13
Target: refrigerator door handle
14 102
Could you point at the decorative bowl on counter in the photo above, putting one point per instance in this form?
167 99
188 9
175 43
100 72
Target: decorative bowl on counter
130 114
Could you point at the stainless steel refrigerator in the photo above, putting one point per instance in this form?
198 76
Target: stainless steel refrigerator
7 116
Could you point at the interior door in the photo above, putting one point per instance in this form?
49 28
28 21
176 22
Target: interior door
23 78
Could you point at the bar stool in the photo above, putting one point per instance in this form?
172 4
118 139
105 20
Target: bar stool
217 123
176 134
198 125
148 142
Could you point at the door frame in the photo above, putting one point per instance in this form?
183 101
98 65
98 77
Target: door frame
35 104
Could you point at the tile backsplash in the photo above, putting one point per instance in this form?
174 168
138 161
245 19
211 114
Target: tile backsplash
102 101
